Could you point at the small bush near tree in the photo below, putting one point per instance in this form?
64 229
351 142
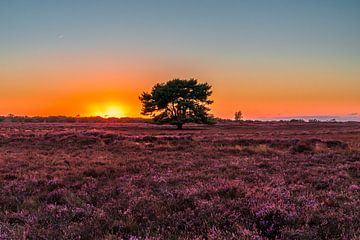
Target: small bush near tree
238 116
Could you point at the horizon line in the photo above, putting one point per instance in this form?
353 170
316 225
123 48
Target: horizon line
352 117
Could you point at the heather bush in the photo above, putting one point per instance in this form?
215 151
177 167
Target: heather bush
121 181
303 147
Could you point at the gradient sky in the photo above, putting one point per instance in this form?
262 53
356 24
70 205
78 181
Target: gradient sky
266 58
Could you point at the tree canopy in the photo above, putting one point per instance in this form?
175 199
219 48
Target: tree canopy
178 102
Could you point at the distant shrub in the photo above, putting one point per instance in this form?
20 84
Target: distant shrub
314 120
230 193
271 222
303 147
297 120
149 139
93 173
97 173
57 196
10 177
337 144
88 140
54 184
332 228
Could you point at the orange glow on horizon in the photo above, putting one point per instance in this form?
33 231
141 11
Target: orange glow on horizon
104 86
107 110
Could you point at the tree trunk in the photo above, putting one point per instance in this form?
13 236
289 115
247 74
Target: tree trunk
179 126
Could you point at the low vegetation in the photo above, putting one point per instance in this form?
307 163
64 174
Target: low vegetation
140 181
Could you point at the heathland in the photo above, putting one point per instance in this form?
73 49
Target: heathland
280 180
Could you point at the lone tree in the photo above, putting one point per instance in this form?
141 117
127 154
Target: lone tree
178 102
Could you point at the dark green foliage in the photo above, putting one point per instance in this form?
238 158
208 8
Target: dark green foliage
178 102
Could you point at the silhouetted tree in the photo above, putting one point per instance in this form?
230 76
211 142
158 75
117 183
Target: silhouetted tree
238 116
178 102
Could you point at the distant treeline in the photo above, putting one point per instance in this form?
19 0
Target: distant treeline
65 119
222 120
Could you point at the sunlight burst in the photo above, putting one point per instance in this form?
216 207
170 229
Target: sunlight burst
108 111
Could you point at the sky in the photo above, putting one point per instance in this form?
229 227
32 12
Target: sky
269 59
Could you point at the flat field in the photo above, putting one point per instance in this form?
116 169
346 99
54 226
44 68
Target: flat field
141 181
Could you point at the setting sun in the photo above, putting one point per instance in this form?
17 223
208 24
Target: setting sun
107 111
